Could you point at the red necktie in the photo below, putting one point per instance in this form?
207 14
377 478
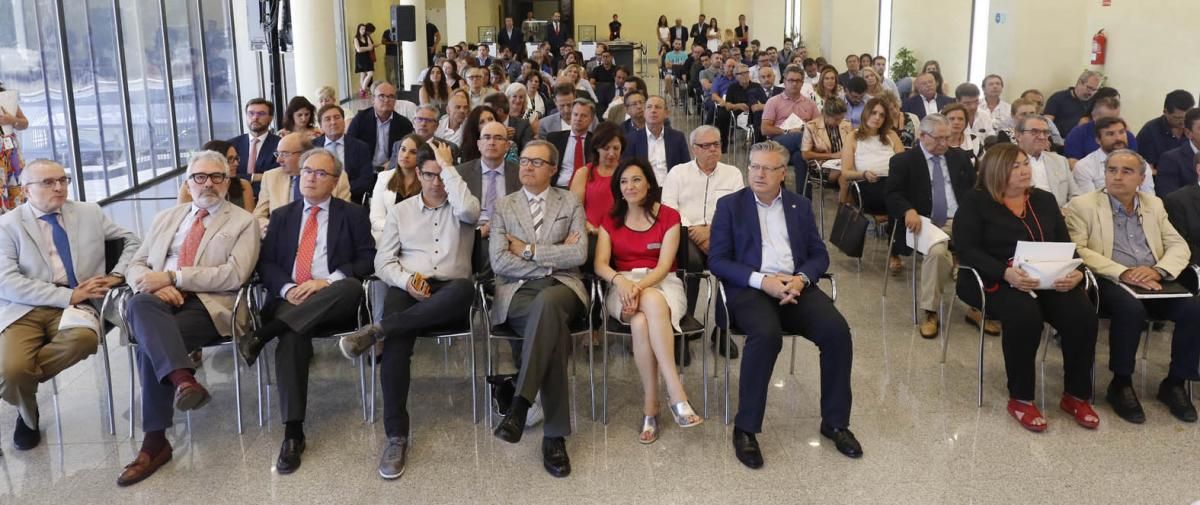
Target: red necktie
578 152
308 245
191 243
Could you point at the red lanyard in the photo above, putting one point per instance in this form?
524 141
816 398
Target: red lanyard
1036 221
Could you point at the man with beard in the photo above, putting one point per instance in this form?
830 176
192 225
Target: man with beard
1089 171
256 148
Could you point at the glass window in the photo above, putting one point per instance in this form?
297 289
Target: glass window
146 75
191 104
222 84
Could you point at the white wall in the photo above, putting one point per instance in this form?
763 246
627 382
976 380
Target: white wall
948 41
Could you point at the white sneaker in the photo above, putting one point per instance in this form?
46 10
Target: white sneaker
535 416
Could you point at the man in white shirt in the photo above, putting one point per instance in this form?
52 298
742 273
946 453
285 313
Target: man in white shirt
1089 171
575 143
880 66
450 126
981 121
1001 111
425 259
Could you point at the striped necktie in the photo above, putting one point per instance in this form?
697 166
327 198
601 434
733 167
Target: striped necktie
535 209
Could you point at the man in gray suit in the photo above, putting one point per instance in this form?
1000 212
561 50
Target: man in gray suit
51 259
186 277
538 243
1051 171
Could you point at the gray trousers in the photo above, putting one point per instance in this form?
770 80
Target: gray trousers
327 311
165 335
540 312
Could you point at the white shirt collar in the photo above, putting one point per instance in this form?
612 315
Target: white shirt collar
484 165
261 138
773 201
211 210
324 205
650 136
530 196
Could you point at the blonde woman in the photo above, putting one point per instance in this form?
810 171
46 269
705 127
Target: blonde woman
574 74
326 96
874 83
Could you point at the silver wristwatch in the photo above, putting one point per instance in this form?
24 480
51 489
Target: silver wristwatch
527 254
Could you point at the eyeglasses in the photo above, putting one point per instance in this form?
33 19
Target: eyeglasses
257 113
420 119
493 138
319 174
51 183
709 145
534 162
938 138
764 168
429 176
1038 132
284 154
385 97
202 178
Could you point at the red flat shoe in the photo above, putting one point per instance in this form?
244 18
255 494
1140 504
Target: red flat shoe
1026 414
1080 410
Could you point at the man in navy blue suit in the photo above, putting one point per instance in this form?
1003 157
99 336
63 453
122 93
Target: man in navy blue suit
314 257
1176 167
767 253
258 144
354 154
674 147
927 100
379 126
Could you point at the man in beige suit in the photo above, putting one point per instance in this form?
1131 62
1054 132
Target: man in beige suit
186 275
1051 171
51 258
1124 236
281 185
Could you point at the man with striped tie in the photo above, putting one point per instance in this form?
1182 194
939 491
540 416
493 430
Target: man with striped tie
538 241
314 257
186 274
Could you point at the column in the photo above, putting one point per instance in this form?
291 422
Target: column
415 54
314 26
455 30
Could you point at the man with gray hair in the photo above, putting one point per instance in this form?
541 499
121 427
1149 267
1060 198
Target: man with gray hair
281 185
185 277
1051 172
1123 234
924 186
317 251
425 125
52 252
1065 108
768 256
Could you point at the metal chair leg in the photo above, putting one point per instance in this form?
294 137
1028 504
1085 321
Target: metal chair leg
132 385
112 418
982 310
237 386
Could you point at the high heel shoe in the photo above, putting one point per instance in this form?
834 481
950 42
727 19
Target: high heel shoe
649 432
684 416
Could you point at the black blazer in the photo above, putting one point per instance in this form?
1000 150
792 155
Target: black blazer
363 127
909 185
679 33
1175 170
357 166
266 154
556 39
986 233
516 42
674 140
560 138
1183 210
350 247
916 104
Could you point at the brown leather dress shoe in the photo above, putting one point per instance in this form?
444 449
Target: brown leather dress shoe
144 466
990 327
191 396
929 327
895 265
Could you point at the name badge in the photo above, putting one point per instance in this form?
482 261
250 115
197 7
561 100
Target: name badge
654 246
8 143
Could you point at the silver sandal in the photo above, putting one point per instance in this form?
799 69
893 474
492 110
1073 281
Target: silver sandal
683 412
649 426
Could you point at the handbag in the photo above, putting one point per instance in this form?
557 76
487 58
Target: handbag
849 232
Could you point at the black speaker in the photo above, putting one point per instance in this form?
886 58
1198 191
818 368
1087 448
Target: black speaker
404 20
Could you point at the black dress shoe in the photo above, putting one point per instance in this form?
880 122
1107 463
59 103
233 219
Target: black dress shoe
1177 401
1125 403
843 439
718 344
249 346
503 389
24 437
513 426
554 456
745 447
289 455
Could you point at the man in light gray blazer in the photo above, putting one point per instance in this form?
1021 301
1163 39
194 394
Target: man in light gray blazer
186 276
51 258
538 241
1050 170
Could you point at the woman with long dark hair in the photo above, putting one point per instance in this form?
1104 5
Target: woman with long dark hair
450 74
471 128
364 57
866 157
397 183
434 90
590 183
300 117
635 254
240 192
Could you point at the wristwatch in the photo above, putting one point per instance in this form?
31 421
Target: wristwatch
807 281
527 254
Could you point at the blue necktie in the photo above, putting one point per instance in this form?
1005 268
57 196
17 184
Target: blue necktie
939 193
296 188
63 247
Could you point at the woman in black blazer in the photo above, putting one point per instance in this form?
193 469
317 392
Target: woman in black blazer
1003 209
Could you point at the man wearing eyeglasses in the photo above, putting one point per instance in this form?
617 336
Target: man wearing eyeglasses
1051 172
256 148
477 85
1066 107
538 241
379 125
186 276
425 259
354 154
281 186
52 250
929 180
314 257
425 125
768 256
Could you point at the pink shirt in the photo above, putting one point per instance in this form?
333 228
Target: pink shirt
779 107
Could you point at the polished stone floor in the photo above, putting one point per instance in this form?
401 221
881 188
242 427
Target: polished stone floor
925 439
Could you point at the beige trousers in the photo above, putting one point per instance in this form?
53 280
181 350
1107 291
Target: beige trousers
32 351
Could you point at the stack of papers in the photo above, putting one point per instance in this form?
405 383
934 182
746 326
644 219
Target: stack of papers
1046 261
793 122
928 237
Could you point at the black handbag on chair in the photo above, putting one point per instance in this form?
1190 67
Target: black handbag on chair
849 231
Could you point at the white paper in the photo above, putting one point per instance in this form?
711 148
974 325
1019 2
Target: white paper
928 237
8 105
1046 272
834 164
1047 261
792 122
79 316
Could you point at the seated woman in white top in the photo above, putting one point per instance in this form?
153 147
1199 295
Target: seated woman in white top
396 184
866 155
573 74
960 136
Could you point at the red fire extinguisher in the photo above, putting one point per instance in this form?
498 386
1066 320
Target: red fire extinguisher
1099 47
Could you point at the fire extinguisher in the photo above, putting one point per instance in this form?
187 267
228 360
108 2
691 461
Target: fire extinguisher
1099 47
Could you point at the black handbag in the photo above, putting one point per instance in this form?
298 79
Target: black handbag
849 231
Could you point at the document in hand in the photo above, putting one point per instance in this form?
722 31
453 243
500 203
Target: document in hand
929 236
1170 289
793 122
1046 261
